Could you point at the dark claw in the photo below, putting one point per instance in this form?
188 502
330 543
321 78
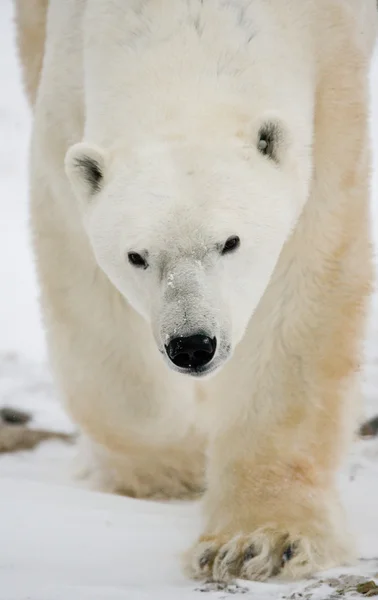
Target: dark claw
249 554
288 554
223 555
207 558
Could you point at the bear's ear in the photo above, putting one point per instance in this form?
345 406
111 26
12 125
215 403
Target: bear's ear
85 168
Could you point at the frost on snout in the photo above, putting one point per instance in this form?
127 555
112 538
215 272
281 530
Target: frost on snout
189 328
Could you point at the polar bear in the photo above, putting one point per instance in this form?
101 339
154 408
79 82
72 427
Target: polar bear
200 213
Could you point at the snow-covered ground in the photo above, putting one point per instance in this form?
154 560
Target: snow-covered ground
59 541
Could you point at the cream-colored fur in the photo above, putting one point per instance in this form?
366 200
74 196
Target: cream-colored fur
168 96
31 27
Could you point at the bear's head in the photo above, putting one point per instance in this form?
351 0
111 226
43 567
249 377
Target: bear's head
190 229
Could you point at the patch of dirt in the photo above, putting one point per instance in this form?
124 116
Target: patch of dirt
227 588
15 434
344 586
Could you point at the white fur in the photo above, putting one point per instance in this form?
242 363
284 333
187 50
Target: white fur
168 98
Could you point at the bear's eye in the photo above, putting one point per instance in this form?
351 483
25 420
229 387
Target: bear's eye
137 260
231 245
263 145
267 140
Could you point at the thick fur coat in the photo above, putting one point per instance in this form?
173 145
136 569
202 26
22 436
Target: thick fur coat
200 209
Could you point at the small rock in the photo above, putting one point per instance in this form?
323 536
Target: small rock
368 589
369 428
13 416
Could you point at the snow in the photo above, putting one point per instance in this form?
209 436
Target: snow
61 541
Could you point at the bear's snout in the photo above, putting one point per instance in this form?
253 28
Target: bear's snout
191 353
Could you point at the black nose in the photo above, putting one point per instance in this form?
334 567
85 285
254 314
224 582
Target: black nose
191 352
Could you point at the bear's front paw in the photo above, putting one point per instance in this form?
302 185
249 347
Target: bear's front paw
265 553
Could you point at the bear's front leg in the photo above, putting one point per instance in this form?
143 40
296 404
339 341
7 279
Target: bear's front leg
270 519
272 506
